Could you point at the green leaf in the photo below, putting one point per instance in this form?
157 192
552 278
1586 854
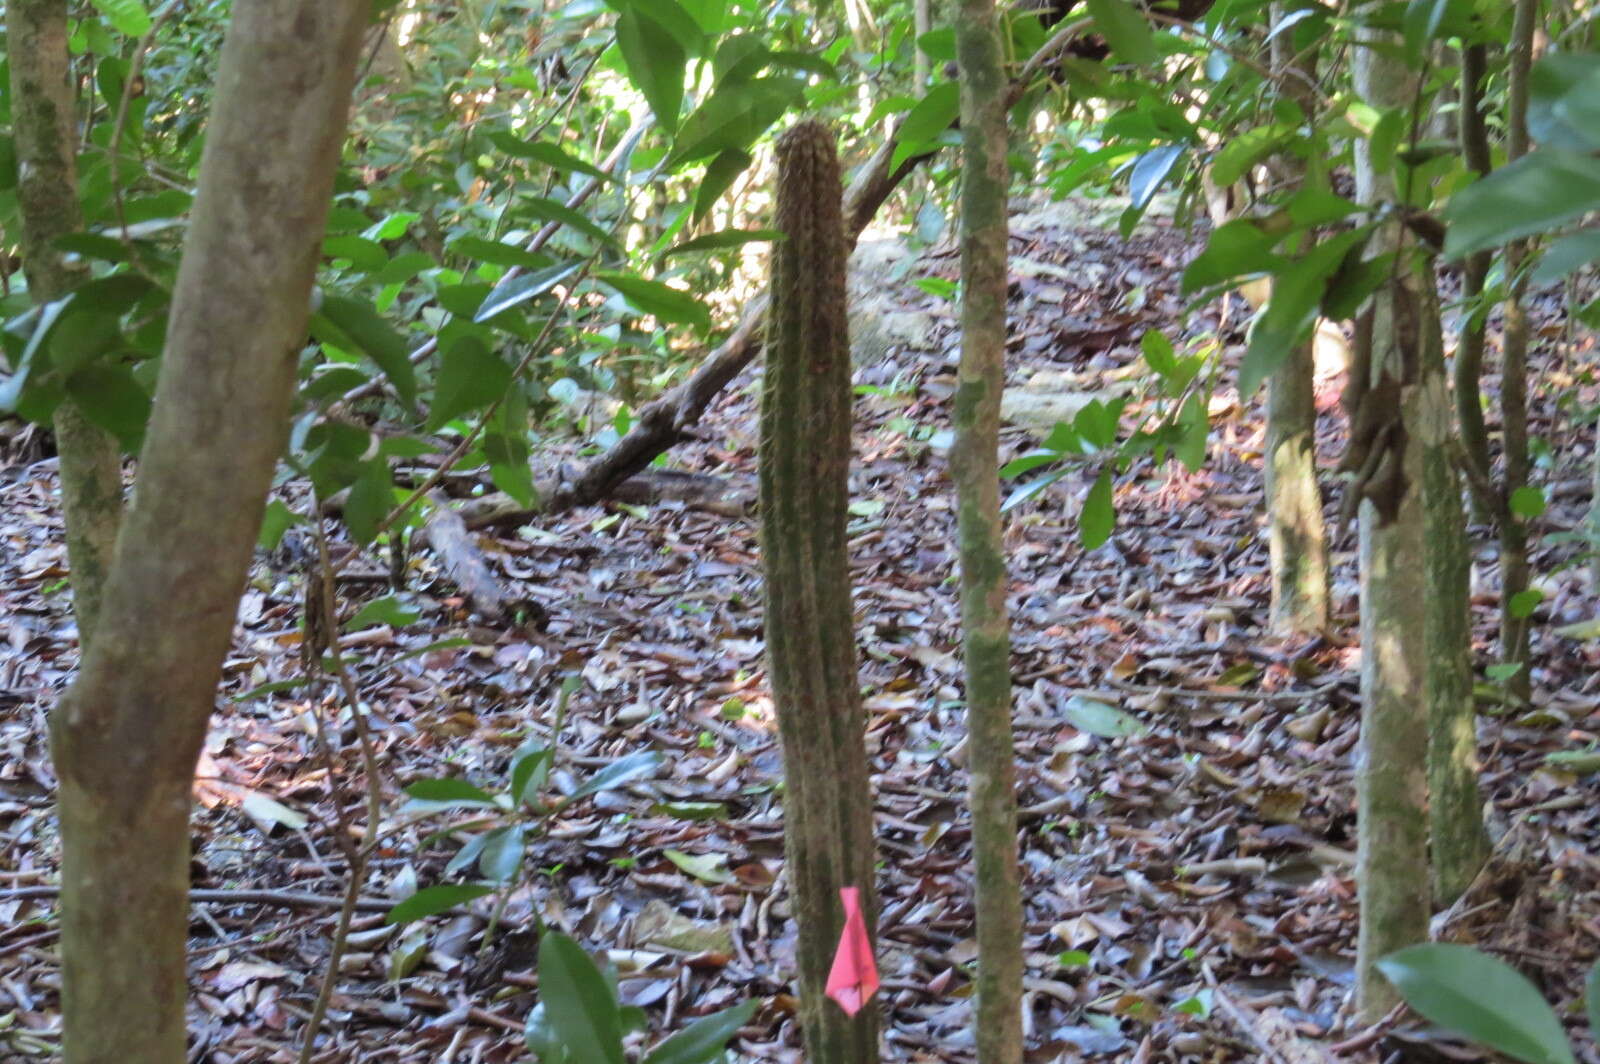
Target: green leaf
939 45
691 810
470 376
543 151
551 211
1527 502
514 291
129 17
498 253
1096 424
580 1005
1421 25
358 327
277 520
932 115
1535 194
1580 630
702 1041
620 771
1097 718
1591 996
740 57
501 857
1484 999
734 117
1158 352
1149 170
369 256
1567 254
111 397
1125 30
454 791
655 65
726 238
1235 250
1297 292
1524 602
388 610
430 901
530 768
1195 421
1099 515
1245 150
706 866
721 172
661 301
508 465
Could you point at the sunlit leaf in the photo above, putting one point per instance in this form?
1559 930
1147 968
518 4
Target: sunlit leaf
1099 514
1125 30
431 901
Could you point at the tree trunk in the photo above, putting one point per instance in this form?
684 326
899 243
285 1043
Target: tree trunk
1515 630
1297 539
47 197
127 732
811 649
1455 814
1391 781
975 465
1475 271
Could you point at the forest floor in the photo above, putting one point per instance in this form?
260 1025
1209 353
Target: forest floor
1188 814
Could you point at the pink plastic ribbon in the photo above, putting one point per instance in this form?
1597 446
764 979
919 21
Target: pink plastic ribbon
853 978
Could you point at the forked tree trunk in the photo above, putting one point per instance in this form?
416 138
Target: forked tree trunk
128 731
975 468
811 648
42 115
1391 780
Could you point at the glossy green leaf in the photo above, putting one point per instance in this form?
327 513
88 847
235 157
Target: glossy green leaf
720 175
1482 998
623 770
1535 194
1158 352
1099 514
659 300
580 1006
703 1041
1420 26
551 211
1567 254
1527 501
470 376
740 57
1524 602
277 520
430 901
530 769
514 291
1242 152
1234 251
939 45
369 502
1125 29
369 256
1150 170
498 253
734 117
1195 423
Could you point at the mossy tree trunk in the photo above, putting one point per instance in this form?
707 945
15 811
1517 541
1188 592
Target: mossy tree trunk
1458 844
1515 630
127 732
811 649
1297 537
42 113
1391 779
975 465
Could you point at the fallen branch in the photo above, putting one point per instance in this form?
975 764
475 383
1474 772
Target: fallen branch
283 899
463 562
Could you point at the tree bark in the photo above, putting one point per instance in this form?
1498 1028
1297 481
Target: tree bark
1475 271
127 732
975 465
1515 631
1458 844
811 649
1391 781
42 113
1297 538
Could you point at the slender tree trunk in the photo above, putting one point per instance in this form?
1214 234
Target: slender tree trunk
811 648
974 465
1514 630
1455 814
1391 779
1475 271
127 732
47 195
922 16
1297 539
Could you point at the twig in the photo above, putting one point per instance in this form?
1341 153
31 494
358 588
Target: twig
1371 1035
1271 697
286 899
